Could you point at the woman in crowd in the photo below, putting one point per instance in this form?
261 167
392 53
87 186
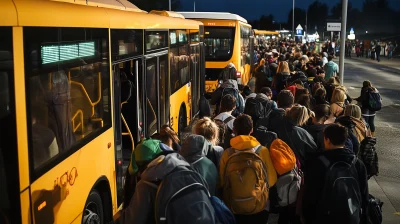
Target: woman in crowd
368 115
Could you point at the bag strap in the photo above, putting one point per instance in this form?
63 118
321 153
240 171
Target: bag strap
258 149
228 119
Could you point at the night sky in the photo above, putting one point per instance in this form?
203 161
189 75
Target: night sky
253 9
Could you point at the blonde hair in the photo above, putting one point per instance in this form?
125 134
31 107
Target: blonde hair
353 110
283 67
338 96
208 129
298 114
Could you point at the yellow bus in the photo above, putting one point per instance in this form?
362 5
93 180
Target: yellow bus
80 83
227 38
263 35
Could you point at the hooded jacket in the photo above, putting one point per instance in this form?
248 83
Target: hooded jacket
315 173
317 132
195 150
331 69
216 96
244 143
141 208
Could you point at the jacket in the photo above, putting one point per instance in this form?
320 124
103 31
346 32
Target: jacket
243 143
363 99
351 126
216 96
317 132
331 69
194 150
314 184
141 208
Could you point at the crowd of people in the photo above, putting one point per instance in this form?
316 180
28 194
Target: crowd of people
291 142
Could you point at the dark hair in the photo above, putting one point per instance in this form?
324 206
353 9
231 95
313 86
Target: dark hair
337 134
330 57
367 84
321 111
243 125
304 100
285 99
228 103
321 92
246 91
266 90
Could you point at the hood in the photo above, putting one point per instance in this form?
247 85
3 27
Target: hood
345 121
230 83
262 96
144 153
163 165
231 65
330 64
194 148
251 95
282 156
244 142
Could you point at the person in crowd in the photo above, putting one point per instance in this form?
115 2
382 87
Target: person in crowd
268 93
262 76
361 129
337 104
209 130
319 96
304 100
315 203
243 141
195 150
282 76
228 73
324 58
368 115
316 129
218 94
168 137
225 120
330 86
331 68
378 51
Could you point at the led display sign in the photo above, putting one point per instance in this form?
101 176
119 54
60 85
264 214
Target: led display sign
65 52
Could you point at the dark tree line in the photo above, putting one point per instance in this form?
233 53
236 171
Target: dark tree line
148 5
376 16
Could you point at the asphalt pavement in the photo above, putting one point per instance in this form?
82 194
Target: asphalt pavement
385 76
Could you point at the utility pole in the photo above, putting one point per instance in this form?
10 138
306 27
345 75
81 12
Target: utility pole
306 26
293 22
343 40
170 5
194 6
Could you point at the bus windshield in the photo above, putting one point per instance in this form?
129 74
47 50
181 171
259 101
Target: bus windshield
219 43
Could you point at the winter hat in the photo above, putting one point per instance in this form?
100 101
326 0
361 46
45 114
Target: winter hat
143 153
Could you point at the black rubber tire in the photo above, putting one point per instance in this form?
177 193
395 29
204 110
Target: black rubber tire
94 203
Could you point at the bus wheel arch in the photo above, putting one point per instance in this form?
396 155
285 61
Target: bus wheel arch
182 120
99 198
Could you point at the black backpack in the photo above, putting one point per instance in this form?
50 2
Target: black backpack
341 196
263 136
182 197
225 132
239 103
257 109
374 210
368 155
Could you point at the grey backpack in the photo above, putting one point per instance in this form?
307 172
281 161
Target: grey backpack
183 197
285 191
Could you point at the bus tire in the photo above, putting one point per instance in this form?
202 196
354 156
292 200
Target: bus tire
182 122
93 212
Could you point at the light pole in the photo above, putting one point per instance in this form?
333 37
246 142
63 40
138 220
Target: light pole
293 21
169 5
343 40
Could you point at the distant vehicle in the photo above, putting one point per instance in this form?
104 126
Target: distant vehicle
228 38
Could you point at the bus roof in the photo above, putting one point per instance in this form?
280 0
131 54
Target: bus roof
167 13
265 32
62 13
213 15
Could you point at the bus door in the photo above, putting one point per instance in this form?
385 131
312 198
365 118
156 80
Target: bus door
156 92
195 77
128 93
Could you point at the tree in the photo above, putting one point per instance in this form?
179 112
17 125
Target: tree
336 11
149 5
299 17
317 14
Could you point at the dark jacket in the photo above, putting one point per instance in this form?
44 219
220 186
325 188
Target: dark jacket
314 184
261 81
363 99
194 150
216 96
317 132
350 125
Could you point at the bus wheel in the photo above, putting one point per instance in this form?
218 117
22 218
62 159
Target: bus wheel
93 213
182 122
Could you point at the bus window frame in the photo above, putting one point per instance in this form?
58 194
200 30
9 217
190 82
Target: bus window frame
36 173
178 48
153 50
232 44
129 55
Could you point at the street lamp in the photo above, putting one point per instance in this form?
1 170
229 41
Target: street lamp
169 5
293 20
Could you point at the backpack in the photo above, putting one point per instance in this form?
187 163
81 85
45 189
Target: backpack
341 196
246 187
234 92
227 73
257 109
368 156
222 213
225 132
263 136
183 191
374 210
289 175
374 101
